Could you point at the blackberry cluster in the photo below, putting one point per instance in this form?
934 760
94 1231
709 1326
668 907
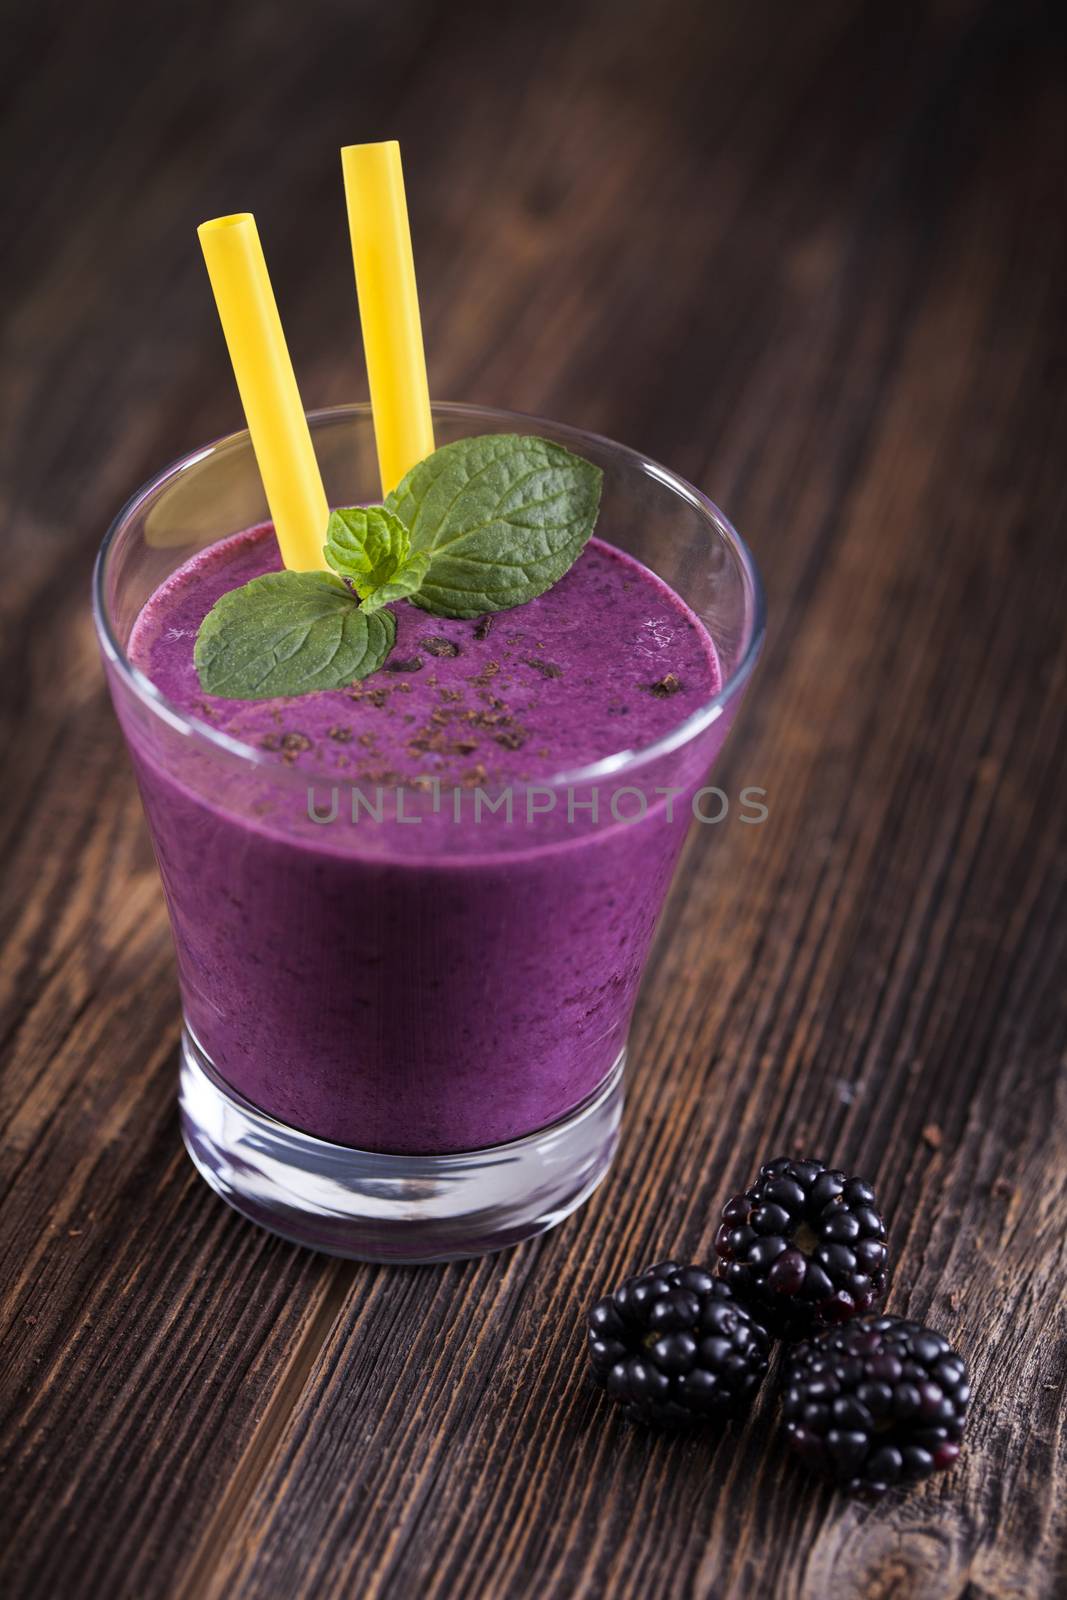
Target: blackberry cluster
876 1404
673 1346
804 1247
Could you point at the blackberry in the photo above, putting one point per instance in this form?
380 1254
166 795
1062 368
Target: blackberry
673 1346
804 1247
876 1404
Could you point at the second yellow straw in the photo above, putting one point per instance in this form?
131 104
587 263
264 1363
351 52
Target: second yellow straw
388 307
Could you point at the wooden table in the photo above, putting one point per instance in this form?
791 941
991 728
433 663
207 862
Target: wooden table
811 257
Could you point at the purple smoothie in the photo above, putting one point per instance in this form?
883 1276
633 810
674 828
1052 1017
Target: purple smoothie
454 980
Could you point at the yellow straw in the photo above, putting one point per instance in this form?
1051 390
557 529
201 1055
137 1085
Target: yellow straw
267 385
388 307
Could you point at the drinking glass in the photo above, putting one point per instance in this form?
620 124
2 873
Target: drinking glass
407 1041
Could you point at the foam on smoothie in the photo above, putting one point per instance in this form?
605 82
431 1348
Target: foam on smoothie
608 659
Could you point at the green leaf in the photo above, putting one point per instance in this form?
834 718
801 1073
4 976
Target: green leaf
502 517
289 633
372 548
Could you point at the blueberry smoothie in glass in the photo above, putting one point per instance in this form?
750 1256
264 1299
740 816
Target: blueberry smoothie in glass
464 998
412 909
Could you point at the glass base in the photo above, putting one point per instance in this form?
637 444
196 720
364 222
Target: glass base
404 1209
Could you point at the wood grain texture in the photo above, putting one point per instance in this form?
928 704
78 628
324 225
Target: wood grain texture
814 258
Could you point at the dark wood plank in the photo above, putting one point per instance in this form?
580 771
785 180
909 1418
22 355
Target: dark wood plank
813 257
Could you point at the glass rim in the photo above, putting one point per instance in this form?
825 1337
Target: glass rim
613 765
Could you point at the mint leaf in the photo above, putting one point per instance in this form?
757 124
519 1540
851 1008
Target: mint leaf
289 633
372 547
502 517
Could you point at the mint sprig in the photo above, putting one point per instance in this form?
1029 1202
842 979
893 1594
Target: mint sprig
481 525
372 548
